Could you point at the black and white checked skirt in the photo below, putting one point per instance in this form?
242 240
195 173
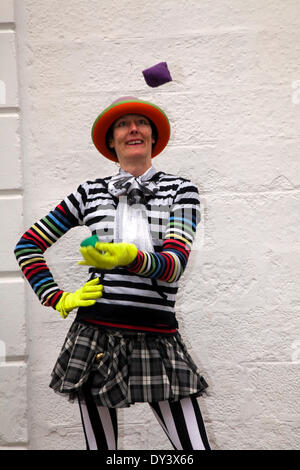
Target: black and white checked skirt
123 368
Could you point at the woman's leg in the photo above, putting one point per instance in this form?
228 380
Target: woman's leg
100 425
182 422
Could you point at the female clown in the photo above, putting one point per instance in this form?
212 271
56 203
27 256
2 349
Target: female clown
124 344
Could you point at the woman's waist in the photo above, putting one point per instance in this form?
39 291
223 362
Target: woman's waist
128 316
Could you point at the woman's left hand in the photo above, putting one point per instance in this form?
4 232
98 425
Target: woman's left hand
108 255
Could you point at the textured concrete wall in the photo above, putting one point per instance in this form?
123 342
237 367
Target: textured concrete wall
234 106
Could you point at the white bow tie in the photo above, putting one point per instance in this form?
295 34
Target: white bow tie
136 188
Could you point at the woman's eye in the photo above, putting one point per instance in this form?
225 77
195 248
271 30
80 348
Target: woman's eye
143 122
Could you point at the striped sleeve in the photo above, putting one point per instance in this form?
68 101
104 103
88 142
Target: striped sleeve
30 249
169 264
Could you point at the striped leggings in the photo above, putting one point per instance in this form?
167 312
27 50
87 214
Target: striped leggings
181 420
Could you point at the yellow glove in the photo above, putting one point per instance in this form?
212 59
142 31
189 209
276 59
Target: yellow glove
108 255
83 297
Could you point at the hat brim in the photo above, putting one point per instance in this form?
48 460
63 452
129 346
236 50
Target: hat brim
115 111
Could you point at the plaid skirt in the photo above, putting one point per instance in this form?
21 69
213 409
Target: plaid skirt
122 368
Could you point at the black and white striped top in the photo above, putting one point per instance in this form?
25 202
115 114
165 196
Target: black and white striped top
138 297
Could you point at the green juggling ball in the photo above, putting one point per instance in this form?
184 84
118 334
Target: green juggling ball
90 241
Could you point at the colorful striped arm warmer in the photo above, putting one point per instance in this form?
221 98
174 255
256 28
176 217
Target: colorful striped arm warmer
30 249
169 264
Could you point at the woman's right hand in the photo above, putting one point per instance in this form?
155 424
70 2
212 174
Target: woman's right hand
108 255
83 297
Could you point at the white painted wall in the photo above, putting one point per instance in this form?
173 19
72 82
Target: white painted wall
13 353
234 105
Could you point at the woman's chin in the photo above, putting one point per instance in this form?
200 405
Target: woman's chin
135 153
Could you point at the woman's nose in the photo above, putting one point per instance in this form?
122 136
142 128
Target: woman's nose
133 127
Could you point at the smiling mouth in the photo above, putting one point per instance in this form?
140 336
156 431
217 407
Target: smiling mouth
135 142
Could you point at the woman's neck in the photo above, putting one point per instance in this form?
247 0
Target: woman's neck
136 170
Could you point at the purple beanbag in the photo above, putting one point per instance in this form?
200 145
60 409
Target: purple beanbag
157 75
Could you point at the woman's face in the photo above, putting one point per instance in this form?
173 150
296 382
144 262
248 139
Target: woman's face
132 137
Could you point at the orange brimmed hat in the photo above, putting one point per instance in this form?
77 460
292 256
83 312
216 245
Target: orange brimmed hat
130 105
